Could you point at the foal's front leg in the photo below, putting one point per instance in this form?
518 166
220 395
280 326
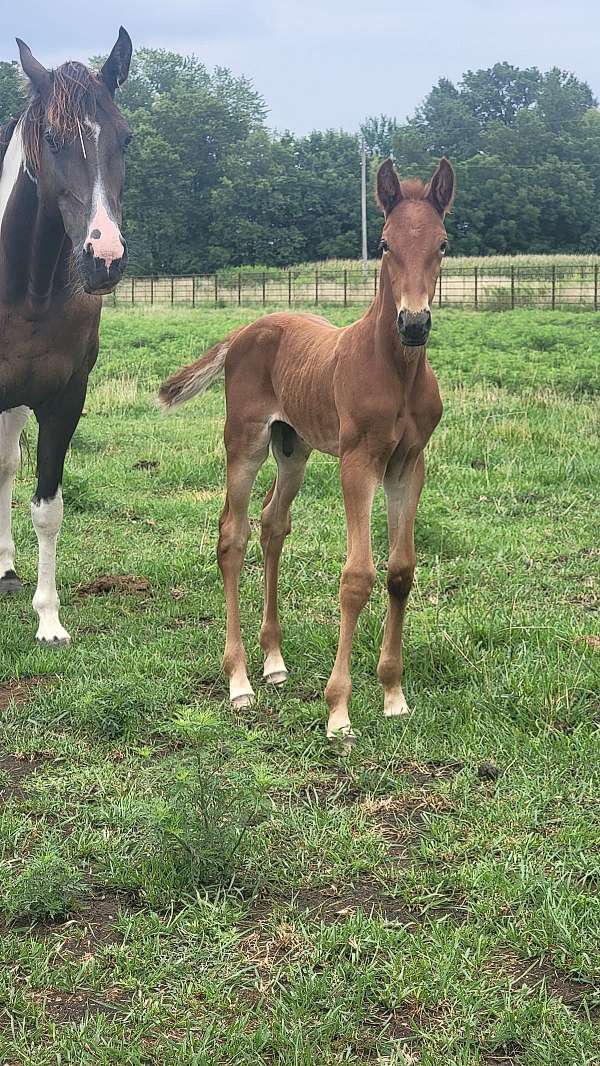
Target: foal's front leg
402 484
359 483
12 424
57 424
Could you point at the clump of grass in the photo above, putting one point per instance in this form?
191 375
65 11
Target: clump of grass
46 888
199 837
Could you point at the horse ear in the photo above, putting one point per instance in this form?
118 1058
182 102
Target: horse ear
115 70
40 78
389 192
440 191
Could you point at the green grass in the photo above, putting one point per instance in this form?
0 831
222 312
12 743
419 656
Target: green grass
180 884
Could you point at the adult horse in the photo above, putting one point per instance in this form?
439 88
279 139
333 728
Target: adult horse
365 393
61 249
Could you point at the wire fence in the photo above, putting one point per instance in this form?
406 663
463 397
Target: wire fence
498 288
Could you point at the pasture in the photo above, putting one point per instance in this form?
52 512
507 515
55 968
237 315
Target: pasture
183 884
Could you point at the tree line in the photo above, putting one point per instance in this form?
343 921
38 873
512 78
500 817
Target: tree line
210 186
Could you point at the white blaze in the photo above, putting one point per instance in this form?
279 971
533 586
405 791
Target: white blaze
11 168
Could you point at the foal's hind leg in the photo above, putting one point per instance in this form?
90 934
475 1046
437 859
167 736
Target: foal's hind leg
291 454
402 484
12 424
246 452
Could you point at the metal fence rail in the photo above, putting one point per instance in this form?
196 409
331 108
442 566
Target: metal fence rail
496 288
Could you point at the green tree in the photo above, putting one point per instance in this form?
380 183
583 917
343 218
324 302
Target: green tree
12 91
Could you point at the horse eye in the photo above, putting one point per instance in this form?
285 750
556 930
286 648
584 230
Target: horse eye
444 247
51 141
127 139
383 246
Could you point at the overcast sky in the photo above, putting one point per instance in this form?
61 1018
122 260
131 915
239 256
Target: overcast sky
324 64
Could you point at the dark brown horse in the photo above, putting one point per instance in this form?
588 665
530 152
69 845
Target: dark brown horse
365 393
61 249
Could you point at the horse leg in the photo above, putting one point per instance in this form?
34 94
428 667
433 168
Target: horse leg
359 483
402 485
245 455
291 454
12 424
57 424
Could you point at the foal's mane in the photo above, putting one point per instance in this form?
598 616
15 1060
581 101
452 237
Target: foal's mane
72 99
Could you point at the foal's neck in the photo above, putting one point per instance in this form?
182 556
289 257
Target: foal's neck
383 315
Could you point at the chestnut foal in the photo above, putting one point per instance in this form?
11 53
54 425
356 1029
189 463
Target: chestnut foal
365 393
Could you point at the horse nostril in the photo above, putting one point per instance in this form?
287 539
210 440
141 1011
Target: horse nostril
89 248
401 321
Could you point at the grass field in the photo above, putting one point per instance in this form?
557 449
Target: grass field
180 884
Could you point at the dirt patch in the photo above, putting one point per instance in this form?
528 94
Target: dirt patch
578 994
400 820
425 773
507 1054
76 1007
18 768
146 464
403 1024
371 897
591 640
123 584
79 936
19 691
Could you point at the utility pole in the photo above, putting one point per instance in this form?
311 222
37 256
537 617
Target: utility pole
363 205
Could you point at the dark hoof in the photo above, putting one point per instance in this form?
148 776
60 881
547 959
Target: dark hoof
10 583
55 643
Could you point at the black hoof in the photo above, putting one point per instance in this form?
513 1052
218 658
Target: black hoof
10 583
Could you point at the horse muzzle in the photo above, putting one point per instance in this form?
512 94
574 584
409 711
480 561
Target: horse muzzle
414 328
101 273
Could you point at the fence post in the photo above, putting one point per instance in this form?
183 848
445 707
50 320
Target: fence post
375 276
440 287
345 288
172 290
152 291
239 288
512 287
596 287
476 280
132 291
264 288
216 289
316 286
553 286
194 290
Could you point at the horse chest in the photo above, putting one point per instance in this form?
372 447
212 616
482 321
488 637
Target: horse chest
36 361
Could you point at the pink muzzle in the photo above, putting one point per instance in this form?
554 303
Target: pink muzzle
104 239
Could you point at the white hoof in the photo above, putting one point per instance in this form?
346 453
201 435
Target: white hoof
342 740
245 700
395 705
58 639
275 670
279 677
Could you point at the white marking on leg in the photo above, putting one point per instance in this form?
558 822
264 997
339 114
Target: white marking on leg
11 425
275 669
11 168
47 516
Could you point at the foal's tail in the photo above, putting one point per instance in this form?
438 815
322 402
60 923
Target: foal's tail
195 378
